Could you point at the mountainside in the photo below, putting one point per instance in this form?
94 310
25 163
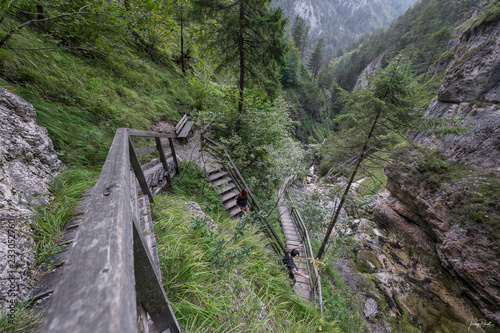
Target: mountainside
451 195
339 21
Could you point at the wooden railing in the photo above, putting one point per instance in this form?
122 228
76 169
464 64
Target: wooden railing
225 159
110 283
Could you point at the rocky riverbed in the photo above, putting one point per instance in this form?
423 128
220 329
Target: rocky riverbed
404 288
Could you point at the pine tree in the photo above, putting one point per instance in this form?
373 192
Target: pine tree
316 59
249 37
300 34
375 115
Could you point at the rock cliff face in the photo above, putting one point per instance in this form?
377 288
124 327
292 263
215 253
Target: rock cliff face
471 90
424 216
28 162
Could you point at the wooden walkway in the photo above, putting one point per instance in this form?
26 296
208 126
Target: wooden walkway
293 239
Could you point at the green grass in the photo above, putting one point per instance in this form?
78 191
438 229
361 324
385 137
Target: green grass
222 278
21 319
82 100
230 297
67 190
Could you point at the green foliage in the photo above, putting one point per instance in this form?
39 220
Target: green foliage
316 58
82 101
192 183
248 38
81 25
262 148
412 34
67 190
340 303
300 34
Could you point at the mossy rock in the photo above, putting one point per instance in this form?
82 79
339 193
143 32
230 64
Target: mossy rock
362 259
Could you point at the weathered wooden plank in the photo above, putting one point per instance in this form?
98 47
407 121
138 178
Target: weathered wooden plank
136 166
133 132
185 129
181 122
96 292
150 291
174 156
156 179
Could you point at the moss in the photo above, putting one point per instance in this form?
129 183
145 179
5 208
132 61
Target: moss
364 257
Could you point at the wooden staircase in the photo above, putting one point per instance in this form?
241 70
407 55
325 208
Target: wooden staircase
295 234
227 190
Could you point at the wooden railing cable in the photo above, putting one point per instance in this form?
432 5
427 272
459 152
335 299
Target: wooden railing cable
110 281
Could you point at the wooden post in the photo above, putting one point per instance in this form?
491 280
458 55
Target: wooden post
174 156
136 166
163 159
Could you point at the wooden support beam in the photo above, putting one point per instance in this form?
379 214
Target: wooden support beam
136 166
150 292
133 132
174 156
159 147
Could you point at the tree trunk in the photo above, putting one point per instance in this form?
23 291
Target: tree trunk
346 192
40 15
182 38
242 67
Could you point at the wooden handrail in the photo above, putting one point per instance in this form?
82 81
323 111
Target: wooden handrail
110 281
238 178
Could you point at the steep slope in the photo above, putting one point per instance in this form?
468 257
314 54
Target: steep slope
455 202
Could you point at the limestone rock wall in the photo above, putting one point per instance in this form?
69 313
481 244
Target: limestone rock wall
28 162
470 90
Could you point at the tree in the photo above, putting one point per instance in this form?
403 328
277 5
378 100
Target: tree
290 72
300 35
249 37
316 59
376 114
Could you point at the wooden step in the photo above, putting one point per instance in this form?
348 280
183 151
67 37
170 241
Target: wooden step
226 189
234 212
229 196
221 181
217 175
228 205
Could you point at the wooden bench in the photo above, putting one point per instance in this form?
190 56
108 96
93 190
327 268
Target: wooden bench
183 127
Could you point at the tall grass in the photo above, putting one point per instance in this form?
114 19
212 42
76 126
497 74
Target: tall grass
249 293
67 190
21 320
82 100
254 295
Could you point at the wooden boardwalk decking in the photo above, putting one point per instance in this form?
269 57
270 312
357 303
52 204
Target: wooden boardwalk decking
293 239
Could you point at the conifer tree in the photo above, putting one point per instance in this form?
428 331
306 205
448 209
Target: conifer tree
300 34
249 38
316 59
376 114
